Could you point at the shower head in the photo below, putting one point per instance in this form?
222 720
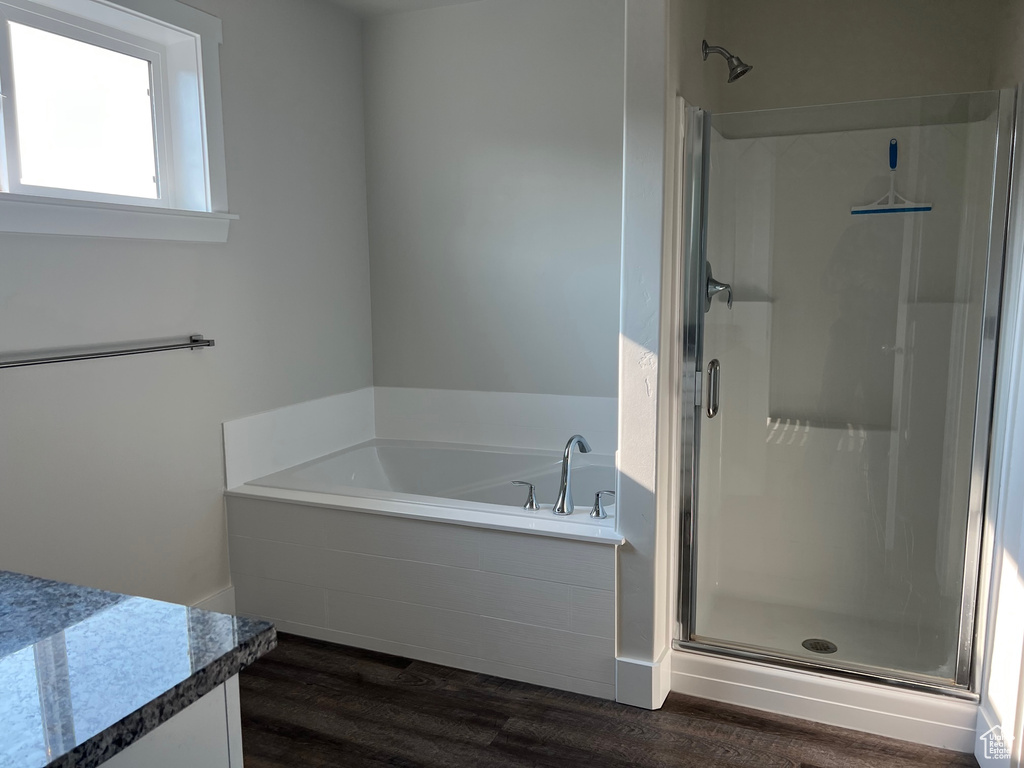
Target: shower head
737 68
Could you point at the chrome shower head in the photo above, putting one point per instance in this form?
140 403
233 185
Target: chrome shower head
737 68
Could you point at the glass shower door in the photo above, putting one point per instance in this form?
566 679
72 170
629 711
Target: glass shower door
845 394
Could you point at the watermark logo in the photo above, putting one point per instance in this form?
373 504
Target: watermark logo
997 743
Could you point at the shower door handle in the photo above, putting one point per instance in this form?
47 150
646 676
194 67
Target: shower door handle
714 374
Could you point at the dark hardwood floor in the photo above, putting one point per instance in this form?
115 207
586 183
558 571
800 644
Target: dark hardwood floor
309 703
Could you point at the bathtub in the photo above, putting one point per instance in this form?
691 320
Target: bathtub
423 550
471 485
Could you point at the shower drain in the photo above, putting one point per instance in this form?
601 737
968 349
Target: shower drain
818 645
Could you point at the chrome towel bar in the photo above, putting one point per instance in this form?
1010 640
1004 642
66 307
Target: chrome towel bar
196 341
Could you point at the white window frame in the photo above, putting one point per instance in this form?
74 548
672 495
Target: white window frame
85 32
182 46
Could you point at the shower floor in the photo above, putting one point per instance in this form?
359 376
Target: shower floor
888 646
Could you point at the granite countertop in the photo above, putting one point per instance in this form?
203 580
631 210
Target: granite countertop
84 673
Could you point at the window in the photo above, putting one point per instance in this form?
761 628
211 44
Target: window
81 119
112 110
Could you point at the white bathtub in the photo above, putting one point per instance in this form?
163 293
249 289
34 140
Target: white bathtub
423 550
464 484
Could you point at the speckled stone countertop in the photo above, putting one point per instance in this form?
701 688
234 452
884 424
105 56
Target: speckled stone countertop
85 673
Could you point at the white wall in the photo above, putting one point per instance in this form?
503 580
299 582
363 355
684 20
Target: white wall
112 470
645 587
1002 672
1009 41
494 173
687 27
812 52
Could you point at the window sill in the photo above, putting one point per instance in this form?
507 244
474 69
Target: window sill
50 216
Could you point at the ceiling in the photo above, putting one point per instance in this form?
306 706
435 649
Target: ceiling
382 7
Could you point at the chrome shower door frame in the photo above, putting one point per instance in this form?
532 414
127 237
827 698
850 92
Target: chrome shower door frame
693 272
978 551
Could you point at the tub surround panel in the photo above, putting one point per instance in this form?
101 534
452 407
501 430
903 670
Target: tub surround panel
112 667
271 520
268 442
399 538
441 586
285 600
533 600
587 565
550 650
435 628
508 602
589 612
530 601
276 560
276 440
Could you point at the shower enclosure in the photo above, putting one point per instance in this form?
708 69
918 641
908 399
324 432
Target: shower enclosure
841 371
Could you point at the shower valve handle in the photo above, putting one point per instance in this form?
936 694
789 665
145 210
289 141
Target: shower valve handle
713 288
531 498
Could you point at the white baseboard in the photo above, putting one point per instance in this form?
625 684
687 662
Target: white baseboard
644 684
221 602
922 718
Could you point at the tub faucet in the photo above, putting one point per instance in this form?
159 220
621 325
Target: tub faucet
564 506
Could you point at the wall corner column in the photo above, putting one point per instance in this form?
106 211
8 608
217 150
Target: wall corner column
643 668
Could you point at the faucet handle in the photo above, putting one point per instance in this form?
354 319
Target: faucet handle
598 511
531 498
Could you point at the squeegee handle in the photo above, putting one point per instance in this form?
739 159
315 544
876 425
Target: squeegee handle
894 153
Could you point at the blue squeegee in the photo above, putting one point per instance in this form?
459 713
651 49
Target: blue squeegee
891 202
